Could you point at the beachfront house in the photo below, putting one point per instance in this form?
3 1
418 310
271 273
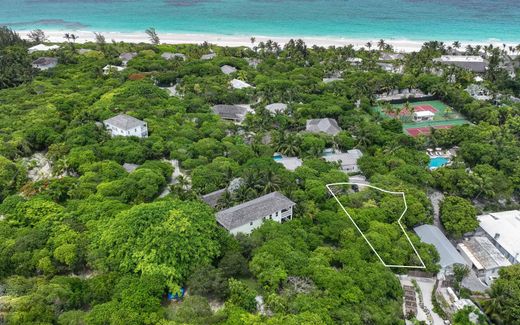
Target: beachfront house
385 56
227 69
173 56
126 57
484 257
239 84
45 63
126 126
355 61
234 113
246 217
208 56
472 63
108 69
276 108
422 116
42 48
323 125
346 160
449 256
502 229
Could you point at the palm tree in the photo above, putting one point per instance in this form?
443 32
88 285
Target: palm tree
290 146
271 182
369 45
456 45
225 201
152 35
253 40
381 44
67 37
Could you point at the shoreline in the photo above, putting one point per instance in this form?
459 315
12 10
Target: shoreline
399 45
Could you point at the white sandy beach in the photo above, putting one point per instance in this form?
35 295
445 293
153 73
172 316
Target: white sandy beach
231 40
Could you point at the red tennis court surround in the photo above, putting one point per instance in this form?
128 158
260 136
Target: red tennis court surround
422 108
414 132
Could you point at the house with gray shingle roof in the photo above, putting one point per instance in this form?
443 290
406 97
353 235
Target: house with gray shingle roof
125 57
323 125
45 63
208 56
227 69
235 113
246 217
172 56
126 126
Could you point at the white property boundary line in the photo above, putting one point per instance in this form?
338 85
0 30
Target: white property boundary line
423 266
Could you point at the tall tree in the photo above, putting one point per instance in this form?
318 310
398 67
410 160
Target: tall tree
152 35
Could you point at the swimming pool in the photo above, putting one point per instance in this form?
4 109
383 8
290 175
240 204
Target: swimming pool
437 162
277 157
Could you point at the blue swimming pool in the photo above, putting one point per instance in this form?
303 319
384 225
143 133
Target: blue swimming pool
277 157
437 162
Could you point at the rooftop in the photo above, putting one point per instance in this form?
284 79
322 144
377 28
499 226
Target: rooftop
227 69
483 254
124 122
212 198
504 227
45 61
43 47
424 114
253 210
239 84
461 58
171 56
326 125
447 252
346 158
208 56
230 112
127 56
276 107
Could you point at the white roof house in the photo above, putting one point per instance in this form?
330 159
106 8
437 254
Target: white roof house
112 68
473 63
239 84
503 229
246 217
347 160
126 126
423 116
290 163
484 256
323 125
449 255
227 69
42 47
276 108
45 63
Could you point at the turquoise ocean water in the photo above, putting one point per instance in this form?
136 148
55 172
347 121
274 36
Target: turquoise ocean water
464 20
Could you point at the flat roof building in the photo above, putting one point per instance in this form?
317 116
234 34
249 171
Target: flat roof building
227 69
246 217
502 229
347 160
484 256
